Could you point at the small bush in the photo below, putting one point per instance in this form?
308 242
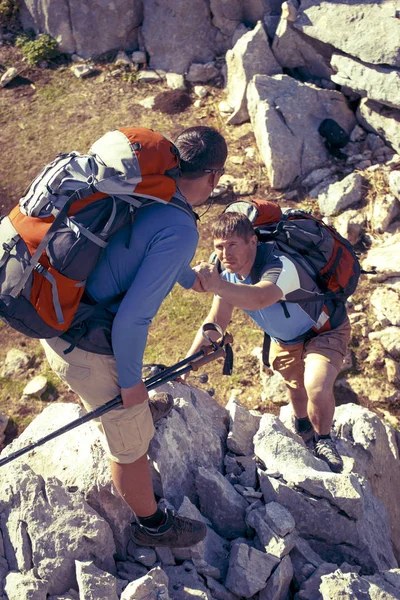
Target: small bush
9 15
44 47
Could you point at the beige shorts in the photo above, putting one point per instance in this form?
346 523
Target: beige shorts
290 359
126 432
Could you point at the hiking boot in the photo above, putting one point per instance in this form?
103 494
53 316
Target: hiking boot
176 532
325 449
160 405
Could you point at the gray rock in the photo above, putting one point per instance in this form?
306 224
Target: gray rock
248 570
202 73
251 55
16 361
390 340
386 305
196 416
392 370
185 584
130 571
227 16
59 574
175 81
381 84
94 583
374 447
36 387
351 225
43 522
384 257
282 450
285 115
343 525
278 584
69 22
19 586
310 588
149 587
279 519
191 34
348 28
8 76
79 462
382 120
352 586
294 50
220 503
270 542
274 388
341 195
150 76
145 556
318 175
384 211
242 427
214 550
139 57
219 591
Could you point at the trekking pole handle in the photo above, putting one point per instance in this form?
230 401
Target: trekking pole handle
220 353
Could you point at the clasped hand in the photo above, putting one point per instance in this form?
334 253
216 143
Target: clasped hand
208 277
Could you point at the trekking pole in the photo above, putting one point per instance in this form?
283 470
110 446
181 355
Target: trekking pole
206 354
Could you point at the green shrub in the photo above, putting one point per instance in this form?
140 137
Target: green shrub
44 47
9 13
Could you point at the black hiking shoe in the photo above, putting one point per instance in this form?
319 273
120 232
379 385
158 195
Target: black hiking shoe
176 532
161 405
325 449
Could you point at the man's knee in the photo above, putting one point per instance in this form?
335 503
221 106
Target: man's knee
319 377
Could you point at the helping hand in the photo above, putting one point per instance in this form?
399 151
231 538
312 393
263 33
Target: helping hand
208 276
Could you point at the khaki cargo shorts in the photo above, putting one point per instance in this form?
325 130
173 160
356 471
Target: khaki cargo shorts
126 432
290 360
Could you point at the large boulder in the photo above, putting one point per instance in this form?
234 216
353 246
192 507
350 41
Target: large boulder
294 50
286 115
348 26
188 34
381 84
86 28
337 514
374 447
47 527
250 56
78 460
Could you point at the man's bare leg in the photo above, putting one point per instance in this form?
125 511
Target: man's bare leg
299 401
134 483
319 378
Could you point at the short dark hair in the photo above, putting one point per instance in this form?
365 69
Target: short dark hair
200 148
232 223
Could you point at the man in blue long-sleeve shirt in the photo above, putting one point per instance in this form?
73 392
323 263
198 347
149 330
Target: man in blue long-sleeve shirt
143 261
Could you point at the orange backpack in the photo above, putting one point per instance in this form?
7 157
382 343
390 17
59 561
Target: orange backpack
53 239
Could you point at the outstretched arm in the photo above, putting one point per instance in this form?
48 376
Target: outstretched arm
247 297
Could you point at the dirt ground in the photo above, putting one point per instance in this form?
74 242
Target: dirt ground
47 111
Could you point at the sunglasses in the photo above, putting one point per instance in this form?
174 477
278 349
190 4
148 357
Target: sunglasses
219 171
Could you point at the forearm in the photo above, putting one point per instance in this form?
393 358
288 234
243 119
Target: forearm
220 314
199 339
246 297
